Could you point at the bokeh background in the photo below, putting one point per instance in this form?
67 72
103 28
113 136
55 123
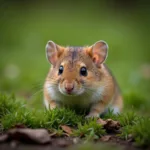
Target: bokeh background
26 26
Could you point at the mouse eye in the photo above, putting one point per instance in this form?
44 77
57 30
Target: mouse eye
83 71
61 68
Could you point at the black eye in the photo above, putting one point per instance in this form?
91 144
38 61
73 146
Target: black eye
61 68
83 71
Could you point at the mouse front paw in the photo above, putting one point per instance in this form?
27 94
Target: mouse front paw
92 115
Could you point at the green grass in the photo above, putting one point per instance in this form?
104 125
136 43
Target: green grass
128 118
33 118
14 112
141 132
89 129
9 105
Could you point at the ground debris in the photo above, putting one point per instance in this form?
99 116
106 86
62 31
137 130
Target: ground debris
101 121
67 129
110 125
26 135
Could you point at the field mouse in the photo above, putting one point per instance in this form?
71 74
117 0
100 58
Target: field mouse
79 77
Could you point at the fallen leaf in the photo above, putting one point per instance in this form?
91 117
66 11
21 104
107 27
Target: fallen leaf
39 136
67 129
101 121
105 138
109 124
112 125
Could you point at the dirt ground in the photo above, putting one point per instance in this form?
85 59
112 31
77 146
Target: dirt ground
71 144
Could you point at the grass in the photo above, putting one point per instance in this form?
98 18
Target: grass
90 130
14 113
129 118
8 105
33 118
141 132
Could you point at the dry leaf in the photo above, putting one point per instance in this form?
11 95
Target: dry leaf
67 129
105 138
39 136
109 124
101 121
112 125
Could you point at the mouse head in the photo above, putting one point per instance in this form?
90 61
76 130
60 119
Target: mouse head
76 70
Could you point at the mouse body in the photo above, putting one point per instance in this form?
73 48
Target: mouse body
78 77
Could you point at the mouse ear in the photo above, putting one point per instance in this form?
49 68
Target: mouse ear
53 51
98 52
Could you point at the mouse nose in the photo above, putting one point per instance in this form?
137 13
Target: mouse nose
69 87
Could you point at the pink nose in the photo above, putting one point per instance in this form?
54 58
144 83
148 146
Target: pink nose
69 87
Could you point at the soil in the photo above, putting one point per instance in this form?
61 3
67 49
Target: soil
61 143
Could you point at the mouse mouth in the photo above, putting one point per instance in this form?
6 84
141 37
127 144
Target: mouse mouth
71 92
67 93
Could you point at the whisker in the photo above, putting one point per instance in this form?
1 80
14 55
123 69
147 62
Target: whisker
92 91
41 90
89 89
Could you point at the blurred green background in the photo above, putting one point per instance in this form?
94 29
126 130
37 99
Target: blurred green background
26 26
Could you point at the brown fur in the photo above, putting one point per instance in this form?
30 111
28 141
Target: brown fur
99 77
